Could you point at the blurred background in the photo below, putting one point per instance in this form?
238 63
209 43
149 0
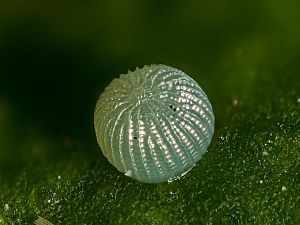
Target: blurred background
56 57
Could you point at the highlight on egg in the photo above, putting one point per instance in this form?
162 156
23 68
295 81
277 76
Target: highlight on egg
154 124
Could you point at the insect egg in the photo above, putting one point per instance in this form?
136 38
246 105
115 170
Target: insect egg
154 124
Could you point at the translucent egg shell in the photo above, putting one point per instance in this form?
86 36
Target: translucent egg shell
154 124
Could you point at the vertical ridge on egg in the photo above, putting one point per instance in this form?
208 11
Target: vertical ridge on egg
154 124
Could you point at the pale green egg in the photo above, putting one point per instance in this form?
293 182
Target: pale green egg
154 124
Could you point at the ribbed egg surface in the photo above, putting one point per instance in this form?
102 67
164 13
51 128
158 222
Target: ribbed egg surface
154 124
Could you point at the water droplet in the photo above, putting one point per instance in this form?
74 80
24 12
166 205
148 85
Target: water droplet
235 102
59 177
283 188
261 181
298 100
6 207
128 173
